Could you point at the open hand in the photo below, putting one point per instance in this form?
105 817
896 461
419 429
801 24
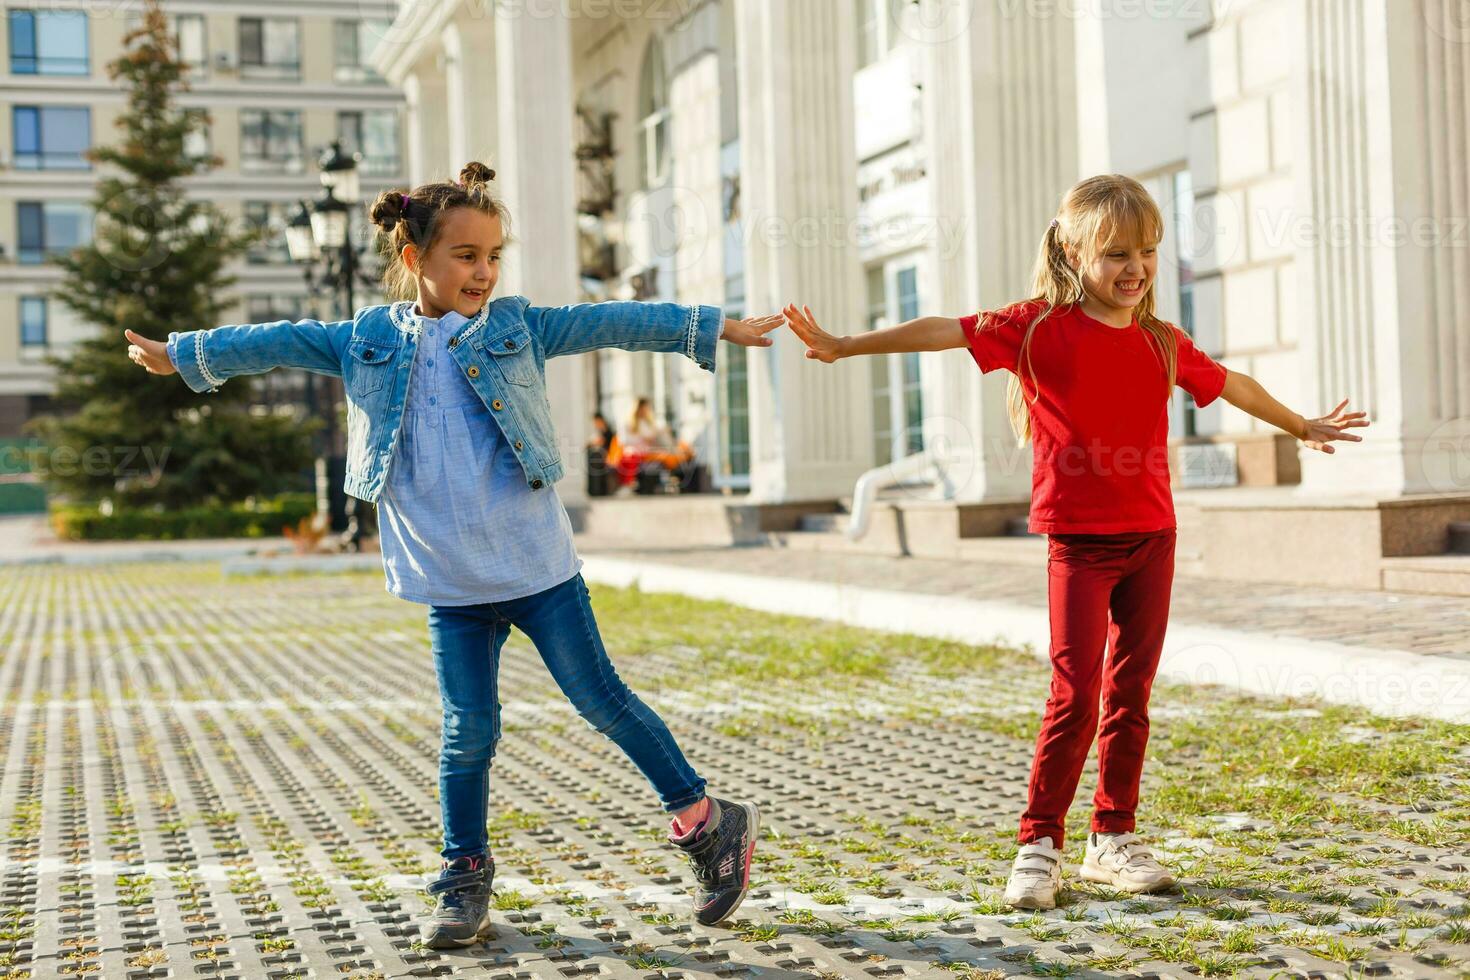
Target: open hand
820 345
751 332
151 354
1319 432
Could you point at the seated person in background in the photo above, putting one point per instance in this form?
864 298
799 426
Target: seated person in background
646 440
603 433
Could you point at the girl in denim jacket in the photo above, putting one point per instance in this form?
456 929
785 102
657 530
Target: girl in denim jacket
449 432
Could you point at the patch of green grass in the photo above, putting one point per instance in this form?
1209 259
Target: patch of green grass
1218 964
757 932
509 900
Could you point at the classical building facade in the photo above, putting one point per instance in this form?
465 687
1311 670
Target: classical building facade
881 159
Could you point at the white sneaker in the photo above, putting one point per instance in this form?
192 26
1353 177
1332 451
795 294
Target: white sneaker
1036 876
1125 862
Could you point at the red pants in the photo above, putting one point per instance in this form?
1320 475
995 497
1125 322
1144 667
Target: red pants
1102 590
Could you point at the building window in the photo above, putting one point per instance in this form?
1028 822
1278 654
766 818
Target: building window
196 140
878 23
906 284
354 43
1184 248
898 397
51 137
33 321
653 113
48 42
271 216
192 39
50 228
270 140
189 34
374 134
269 47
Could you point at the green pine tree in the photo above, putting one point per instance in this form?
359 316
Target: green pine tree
156 263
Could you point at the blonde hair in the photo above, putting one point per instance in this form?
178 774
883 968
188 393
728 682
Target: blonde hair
415 216
1094 216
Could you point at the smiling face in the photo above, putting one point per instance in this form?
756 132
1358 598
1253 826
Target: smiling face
461 266
1119 277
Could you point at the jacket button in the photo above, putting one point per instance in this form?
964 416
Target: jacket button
535 484
497 404
520 445
510 345
367 355
473 372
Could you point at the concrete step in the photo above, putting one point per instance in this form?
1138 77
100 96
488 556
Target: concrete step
1459 538
1017 527
824 523
1029 550
833 542
1433 574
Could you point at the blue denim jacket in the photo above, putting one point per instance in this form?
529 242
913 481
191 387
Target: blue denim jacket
502 351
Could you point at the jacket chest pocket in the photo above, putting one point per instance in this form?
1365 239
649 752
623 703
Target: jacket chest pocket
513 357
368 366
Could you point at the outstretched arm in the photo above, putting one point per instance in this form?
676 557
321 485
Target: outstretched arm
668 328
924 333
205 359
1247 394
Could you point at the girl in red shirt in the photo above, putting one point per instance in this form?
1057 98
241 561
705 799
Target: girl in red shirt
1092 368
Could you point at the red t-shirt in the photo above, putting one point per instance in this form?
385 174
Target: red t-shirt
1100 415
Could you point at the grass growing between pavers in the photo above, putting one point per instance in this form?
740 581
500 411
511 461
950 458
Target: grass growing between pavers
1308 837
1290 820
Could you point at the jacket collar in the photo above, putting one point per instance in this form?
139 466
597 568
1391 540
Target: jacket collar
401 313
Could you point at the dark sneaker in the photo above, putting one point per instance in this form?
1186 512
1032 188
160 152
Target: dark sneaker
462 913
719 852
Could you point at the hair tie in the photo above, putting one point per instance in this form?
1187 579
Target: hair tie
1054 222
405 199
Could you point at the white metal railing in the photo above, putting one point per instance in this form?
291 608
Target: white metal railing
930 466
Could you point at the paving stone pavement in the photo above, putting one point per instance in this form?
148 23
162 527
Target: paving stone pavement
1413 623
209 778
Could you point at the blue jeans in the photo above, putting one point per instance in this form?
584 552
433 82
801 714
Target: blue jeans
467 641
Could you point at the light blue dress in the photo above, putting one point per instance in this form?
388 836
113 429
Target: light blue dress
458 525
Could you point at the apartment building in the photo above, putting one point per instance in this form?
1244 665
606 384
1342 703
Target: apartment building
278 81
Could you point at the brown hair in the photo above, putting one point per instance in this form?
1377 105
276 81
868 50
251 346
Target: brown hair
414 217
1095 215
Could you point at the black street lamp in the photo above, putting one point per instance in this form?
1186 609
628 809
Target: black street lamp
321 231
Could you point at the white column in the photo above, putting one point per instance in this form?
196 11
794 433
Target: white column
470 98
428 118
811 425
534 163
699 255
1384 267
1000 130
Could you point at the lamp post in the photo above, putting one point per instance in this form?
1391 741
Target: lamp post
321 231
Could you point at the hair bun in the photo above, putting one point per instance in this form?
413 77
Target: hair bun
389 209
476 172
